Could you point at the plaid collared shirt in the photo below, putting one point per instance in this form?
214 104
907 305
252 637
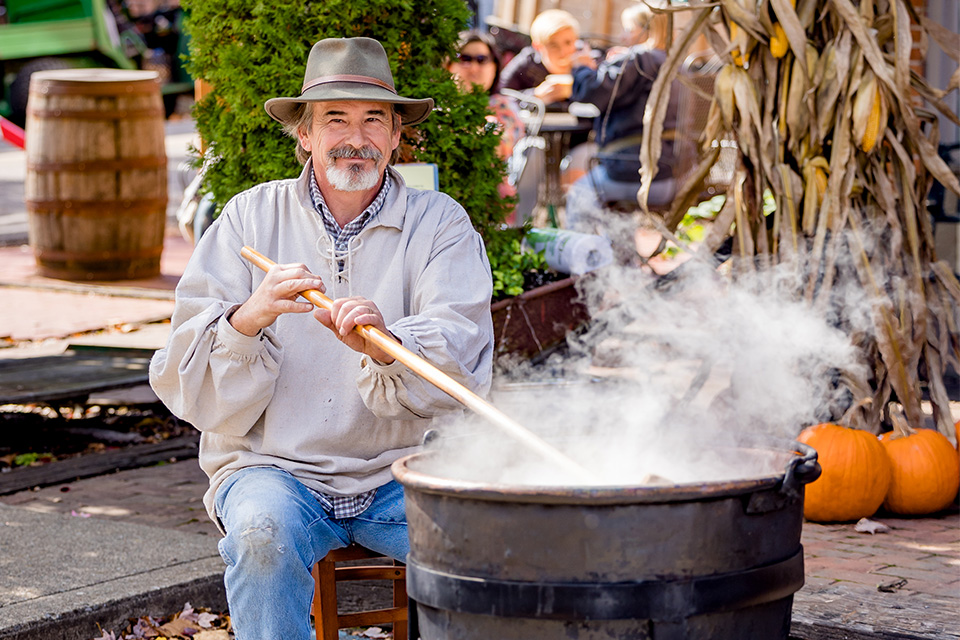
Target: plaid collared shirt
342 236
345 506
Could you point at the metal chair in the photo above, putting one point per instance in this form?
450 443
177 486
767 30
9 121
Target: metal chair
696 80
326 575
526 168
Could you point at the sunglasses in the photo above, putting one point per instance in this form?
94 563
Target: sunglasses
466 58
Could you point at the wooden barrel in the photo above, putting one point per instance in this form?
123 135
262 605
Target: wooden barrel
96 186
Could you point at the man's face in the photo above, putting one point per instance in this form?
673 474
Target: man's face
557 52
351 143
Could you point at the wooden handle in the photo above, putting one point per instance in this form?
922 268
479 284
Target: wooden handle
442 381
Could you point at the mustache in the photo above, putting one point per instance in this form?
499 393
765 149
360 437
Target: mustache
363 153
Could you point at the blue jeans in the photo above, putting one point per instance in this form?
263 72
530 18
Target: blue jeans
276 531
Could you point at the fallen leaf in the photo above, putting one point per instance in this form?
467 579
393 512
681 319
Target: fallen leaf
206 620
216 634
145 628
870 526
78 514
179 627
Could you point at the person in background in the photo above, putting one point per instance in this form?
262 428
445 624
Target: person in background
543 69
639 27
478 63
300 417
619 88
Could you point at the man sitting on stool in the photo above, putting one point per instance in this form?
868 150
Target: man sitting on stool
298 430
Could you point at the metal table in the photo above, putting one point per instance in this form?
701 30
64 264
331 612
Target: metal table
557 130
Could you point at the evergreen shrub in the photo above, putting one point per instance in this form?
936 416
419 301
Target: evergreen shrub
253 50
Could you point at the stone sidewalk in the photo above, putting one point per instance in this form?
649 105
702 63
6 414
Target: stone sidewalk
167 496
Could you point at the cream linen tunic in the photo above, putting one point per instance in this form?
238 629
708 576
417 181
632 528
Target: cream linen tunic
294 396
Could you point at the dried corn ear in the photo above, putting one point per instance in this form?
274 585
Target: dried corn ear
869 113
778 41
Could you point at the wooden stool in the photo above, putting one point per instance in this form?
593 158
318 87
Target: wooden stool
326 575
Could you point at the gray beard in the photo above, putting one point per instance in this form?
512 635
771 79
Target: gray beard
352 179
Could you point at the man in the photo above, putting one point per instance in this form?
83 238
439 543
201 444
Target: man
543 68
299 430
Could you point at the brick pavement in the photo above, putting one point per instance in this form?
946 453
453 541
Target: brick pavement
917 562
924 551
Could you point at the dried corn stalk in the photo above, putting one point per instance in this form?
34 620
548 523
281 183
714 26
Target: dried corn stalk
820 99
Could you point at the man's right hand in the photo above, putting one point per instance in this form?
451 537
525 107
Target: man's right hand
277 294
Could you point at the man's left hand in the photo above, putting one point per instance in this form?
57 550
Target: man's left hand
347 313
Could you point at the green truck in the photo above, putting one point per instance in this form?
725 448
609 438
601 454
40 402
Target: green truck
38 35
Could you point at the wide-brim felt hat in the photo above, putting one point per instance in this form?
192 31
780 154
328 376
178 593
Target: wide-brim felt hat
354 69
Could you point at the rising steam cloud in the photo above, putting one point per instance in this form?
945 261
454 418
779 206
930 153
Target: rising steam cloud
668 378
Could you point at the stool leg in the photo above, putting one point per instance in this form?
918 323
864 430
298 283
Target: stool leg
325 600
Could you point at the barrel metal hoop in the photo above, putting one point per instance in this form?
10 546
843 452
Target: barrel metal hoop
98 208
95 114
119 89
105 164
96 255
658 600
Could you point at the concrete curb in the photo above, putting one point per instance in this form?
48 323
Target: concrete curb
61 575
81 624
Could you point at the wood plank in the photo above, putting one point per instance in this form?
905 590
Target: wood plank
839 612
76 373
96 464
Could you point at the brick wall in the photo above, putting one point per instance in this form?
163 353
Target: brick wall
918 55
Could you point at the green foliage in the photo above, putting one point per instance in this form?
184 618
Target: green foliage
27 459
691 229
250 51
509 262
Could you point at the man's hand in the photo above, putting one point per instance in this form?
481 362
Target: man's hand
348 313
277 294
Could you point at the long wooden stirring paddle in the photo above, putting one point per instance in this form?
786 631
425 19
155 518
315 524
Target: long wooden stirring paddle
442 381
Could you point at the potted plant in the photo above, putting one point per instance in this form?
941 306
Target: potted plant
252 54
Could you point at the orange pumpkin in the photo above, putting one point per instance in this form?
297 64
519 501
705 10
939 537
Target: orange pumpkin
855 478
926 471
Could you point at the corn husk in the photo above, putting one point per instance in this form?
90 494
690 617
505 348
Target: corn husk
832 128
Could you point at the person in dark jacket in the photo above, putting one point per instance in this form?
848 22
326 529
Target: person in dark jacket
619 88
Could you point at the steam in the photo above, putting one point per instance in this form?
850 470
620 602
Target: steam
675 380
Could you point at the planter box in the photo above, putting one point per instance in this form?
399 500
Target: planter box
538 319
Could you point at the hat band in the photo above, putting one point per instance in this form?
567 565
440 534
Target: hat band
346 78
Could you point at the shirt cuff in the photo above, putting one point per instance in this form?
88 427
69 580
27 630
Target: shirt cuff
235 341
396 367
